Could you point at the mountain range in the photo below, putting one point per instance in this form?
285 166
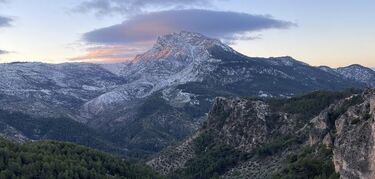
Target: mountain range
140 107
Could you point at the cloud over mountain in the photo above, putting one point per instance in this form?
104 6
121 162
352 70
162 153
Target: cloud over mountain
218 24
145 28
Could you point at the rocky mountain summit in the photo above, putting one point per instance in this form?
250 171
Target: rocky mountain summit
140 107
322 134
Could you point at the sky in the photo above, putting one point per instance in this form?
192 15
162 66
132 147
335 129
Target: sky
333 33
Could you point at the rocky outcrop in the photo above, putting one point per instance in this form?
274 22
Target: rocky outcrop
348 128
354 147
174 158
254 127
268 131
240 123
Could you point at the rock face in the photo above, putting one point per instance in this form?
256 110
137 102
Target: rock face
348 128
160 97
242 124
354 147
249 126
174 158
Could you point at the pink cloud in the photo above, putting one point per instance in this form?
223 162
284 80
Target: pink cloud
112 53
218 24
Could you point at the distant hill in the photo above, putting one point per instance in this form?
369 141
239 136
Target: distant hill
358 73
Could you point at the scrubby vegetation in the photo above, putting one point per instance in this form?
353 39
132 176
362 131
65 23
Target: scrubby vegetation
213 159
49 159
277 145
311 104
344 107
314 163
153 104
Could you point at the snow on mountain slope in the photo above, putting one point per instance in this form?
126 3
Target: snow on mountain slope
36 76
328 70
47 89
358 73
182 58
175 59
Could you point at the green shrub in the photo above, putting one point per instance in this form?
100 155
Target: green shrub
276 145
212 159
312 104
311 163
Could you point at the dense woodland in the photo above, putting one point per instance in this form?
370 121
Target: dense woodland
50 159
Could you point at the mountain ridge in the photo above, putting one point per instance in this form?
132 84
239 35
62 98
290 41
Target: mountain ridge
160 98
354 72
314 135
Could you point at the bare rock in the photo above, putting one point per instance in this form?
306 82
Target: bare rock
354 147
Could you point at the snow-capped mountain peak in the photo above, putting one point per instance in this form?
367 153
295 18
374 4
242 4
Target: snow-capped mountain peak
181 46
191 38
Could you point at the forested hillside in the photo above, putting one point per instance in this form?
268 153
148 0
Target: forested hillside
50 159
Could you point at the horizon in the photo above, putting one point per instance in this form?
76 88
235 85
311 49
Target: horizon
103 63
107 31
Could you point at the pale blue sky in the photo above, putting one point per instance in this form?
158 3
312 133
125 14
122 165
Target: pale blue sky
334 33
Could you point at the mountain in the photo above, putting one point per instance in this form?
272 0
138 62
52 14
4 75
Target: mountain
359 73
318 135
354 72
50 159
139 107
